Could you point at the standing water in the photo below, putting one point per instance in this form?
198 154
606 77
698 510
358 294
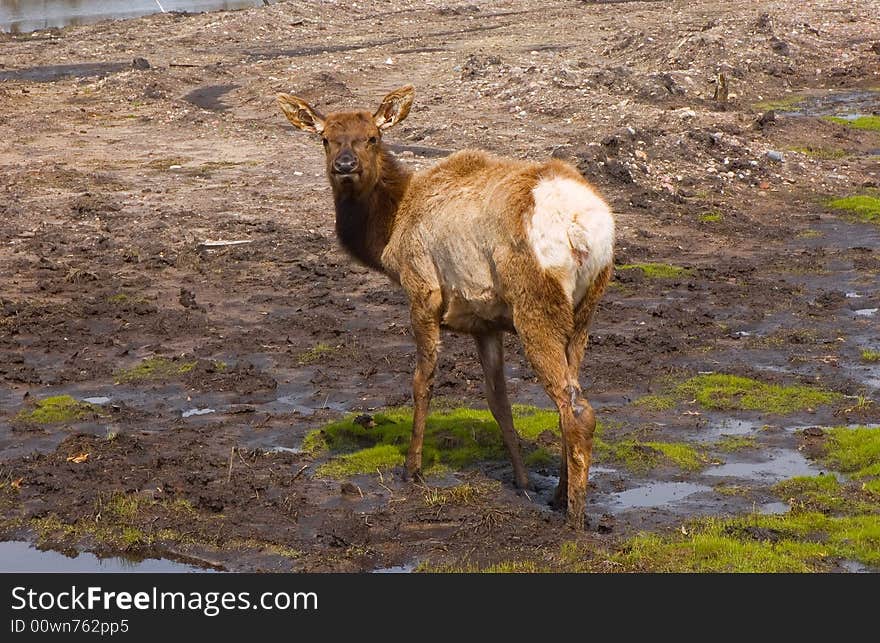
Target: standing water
17 556
22 16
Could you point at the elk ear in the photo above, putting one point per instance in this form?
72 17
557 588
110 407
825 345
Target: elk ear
394 108
301 114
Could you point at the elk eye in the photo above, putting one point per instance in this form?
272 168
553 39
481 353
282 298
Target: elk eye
373 140
325 142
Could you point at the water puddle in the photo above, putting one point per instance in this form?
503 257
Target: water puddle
774 508
855 567
293 450
849 104
99 400
19 556
656 494
51 73
192 412
396 569
718 429
24 17
780 465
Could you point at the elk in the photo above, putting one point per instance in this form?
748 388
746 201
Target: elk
481 245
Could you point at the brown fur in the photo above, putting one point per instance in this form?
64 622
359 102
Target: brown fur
455 237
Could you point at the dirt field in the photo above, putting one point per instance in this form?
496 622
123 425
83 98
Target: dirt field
206 367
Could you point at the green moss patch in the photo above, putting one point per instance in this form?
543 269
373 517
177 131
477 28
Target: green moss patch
869 355
155 368
731 392
794 542
712 216
785 104
869 123
864 207
369 460
453 437
502 567
315 353
730 443
641 456
57 409
821 153
540 457
656 402
855 451
719 391
657 270
828 495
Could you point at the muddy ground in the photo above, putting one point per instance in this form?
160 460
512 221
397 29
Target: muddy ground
113 176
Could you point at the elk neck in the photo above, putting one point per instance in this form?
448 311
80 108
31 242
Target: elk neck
365 218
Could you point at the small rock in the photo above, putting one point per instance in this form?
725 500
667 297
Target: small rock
876 48
365 421
765 119
780 46
814 431
685 113
349 489
775 156
140 64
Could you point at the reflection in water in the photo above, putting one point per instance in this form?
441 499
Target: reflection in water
17 556
22 16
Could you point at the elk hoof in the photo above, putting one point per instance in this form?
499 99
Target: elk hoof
413 475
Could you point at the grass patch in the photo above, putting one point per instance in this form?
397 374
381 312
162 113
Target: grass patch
56 409
869 123
719 391
828 495
731 490
454 437
315 353
641 456
155 368
459 495
540 457
656 402
821 153
785 104
713 216
855 451
277 549
869 355
731 443
502 567
731 392
123 521
657 270
379 457
864 207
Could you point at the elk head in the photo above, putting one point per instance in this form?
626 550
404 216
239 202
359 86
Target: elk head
352 140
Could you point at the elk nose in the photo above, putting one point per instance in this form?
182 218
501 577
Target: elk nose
345 164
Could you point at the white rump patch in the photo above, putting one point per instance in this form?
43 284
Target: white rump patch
571 231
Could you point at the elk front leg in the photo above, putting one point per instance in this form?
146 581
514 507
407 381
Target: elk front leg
491 350
426 330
